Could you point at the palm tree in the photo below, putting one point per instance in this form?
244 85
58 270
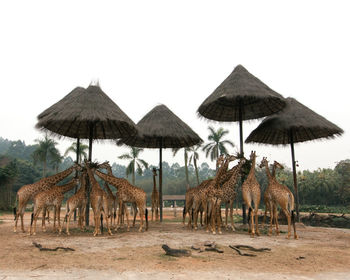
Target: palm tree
56 160
194 156
45 150
186 150
217 145
134 161
73 149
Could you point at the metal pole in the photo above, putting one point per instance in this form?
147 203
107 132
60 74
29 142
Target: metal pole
294 176
240 116
87 210
160 182
76 174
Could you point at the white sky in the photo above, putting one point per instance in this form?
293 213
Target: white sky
176 53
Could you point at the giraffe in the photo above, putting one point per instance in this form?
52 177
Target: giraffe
214 194
98 198
196 199
155 196
251 194
229 190
28 192
279 194
77 201
205 195
52 197
127 193
112 204
266 194
189 199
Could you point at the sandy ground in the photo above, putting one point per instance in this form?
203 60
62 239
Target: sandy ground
134 255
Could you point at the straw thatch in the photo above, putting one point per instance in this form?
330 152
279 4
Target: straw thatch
161 124
241 90
295 118
81 109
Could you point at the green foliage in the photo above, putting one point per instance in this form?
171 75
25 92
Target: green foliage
217 145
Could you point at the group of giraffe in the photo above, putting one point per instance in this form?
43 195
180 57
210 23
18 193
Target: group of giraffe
46 193
208 196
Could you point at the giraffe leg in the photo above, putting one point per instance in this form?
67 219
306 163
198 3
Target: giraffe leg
231 216
141 218
256 221
69 215
135 213
152 209
226 216
107 223
43 227
127 219
252 229
275 214
219 216
286 212
59 218
272 216
33 222
157 211
18 215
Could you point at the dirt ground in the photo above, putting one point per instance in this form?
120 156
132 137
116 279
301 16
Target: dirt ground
320 253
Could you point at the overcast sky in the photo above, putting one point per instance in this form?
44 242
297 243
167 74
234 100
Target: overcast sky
176 53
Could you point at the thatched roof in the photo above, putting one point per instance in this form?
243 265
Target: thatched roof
243 89
73 115
295 118
161 123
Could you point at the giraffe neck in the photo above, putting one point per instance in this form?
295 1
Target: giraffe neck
252 169
269 176
67 187
108 190
109 179
235 174
221 171
54 179
92 179
154 183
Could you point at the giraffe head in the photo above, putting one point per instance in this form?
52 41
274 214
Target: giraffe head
77 167
230 158
252 155
264 162
104 165
154 170
276 164
220 160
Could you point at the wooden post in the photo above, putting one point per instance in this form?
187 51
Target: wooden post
88 185
76 174
240 115
160 181
294 176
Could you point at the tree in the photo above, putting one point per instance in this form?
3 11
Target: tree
194 156
216 146
73 149
56 160
134 161
175 150
45 150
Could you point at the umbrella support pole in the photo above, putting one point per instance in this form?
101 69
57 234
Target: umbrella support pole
160 183
76 174
240 115
295 177
87 210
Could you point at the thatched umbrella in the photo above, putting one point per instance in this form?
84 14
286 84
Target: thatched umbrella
241 96
161 128
86 114
295 123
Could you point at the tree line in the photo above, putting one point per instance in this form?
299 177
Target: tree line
22 164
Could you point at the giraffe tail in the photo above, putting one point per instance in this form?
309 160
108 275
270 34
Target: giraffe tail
32 219
146 218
